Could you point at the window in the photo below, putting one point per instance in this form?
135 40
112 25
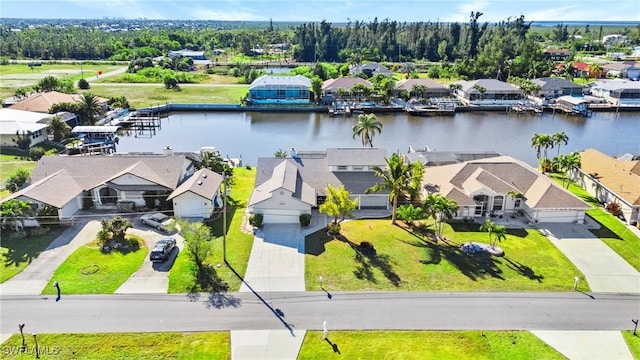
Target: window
497 203
357 167
342 167
516 204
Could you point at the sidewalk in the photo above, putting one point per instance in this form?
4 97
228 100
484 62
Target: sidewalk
587 345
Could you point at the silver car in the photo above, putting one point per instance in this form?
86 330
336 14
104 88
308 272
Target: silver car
159 221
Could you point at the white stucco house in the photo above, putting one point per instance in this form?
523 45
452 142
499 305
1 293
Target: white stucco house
14 123
503 186
286 188
72 183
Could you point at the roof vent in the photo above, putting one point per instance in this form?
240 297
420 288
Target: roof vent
199 182
204 176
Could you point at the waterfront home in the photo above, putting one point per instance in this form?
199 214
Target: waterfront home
611 180
343 88
553 87
556 54
271 89
18 123
422 88
501 186
286 188
623 69
72 183
42 102
618 92
488 92
573 105
370 70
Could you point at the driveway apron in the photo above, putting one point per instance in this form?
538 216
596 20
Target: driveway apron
603 268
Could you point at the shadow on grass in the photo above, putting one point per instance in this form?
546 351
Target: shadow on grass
523 270
25 250
314 243
603 231
207 280
368 259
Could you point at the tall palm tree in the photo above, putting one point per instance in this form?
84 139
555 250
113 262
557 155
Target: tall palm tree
481 90
514 194
560 138
496 232
542 142
440 209
595 70
58 128
398 177
89 108
572 162
366 127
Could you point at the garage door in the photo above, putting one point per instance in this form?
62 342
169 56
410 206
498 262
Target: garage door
280 219
190 209
560 216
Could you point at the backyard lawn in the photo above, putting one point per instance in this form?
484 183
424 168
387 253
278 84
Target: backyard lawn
9 164
89 271
16 254
113 346
441 345
613 232
403 259
181 278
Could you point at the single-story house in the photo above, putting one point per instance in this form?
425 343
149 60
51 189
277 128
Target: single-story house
611 180
619 92
271 89
193 55
556 54
71 183
503 186
622 69
488 92
553 87
42 102
332 88
14 123
432 89
286 188
370 70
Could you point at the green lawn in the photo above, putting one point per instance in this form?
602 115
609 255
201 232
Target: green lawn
441 345
9 164
405 260
16 75
89 271
114 346
16 254
633 341
613 232
181 279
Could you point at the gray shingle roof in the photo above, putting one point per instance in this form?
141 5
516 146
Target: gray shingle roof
203 182
555 83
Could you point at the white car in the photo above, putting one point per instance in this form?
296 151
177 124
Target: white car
159 221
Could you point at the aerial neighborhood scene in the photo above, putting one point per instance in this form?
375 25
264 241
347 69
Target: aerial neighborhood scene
316 180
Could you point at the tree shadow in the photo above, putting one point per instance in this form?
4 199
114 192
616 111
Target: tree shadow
314 244
207 279
522 233
523 270
368 259
334 346
464 226
418 230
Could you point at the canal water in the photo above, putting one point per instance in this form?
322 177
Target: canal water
252 135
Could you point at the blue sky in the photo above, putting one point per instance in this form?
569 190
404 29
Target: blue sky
331 10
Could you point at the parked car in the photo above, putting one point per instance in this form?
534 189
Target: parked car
162 250
159 221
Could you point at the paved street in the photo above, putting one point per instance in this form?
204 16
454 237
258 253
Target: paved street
306 310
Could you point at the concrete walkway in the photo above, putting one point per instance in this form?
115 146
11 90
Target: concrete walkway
151 278
276 264
603 268
33 279
587 345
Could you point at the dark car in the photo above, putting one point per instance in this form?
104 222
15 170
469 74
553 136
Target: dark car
162 250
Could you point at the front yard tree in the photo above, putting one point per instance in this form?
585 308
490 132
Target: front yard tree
116 226
90 109
11 211
338 203
197 242
399 178
366 127
58 127
15 181
559 138
440 209
496 232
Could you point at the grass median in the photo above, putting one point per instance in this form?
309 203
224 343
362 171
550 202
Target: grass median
90 271
405 260
441 345
115 346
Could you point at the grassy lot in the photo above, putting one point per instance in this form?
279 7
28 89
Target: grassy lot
20 75
442 345
142 96
89 271
406 260
16 254
613 232
181 279
9 164
113 346
633 341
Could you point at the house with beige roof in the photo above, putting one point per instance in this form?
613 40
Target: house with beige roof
333 88
42 102
70 183
503 186
422 88
611 180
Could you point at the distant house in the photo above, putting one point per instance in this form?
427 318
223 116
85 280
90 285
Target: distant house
70 183
42 102
19 123
613 39
553 87
286 188
193 55
484 187
488 92
624 69
619 92
556 54
370 70
433 89
270 89
581 69
332 88
611 180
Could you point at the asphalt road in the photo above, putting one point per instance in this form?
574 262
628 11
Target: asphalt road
306 310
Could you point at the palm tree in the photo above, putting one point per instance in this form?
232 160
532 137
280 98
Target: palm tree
89 108
560 138
366 127
398 177
496 232
58 128
595 70
440 209
418 90
572 162
542 142
514 194
481 90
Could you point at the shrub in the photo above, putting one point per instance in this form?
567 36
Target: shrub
333 228
256 220
83 84
36 152
16 180
614 209
248 167
305 219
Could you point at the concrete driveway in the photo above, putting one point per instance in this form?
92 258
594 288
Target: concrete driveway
603 268
151 278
